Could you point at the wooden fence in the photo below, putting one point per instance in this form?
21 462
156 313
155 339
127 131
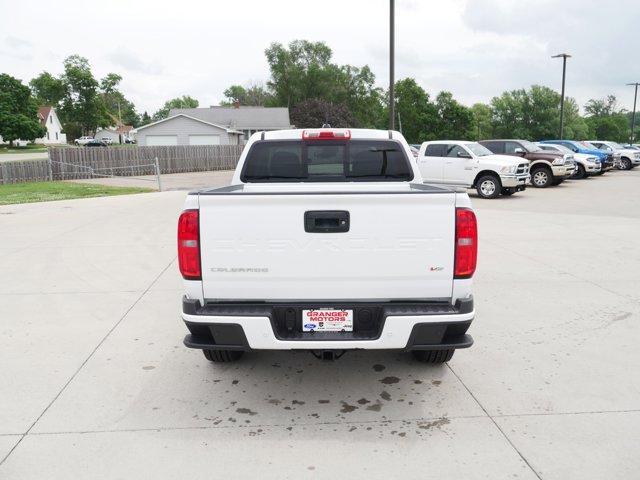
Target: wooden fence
69 163
24 171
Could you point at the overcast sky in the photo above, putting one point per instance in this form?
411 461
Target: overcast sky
475 49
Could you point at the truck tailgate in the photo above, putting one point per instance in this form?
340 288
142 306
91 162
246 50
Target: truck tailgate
399 246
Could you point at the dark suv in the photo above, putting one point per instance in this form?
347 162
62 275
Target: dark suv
546 168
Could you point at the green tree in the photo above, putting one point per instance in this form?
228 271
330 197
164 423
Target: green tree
602 107
534 114
482 128
47 89
575 126
82 106
606 121
252 96
416 115
145 118
303 71
300 72
314 113
355 87
18 111
118 109
184 101
454 119
609 127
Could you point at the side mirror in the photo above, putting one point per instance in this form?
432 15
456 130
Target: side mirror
519 151
463 155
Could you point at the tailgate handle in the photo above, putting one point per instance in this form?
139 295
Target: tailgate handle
326 221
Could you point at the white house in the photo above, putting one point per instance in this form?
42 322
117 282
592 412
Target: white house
183 129
49 119
120 134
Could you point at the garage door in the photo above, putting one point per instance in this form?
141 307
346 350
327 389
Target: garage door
204 139
158 140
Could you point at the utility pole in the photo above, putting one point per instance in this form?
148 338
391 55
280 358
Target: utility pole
564 57
392 100
633 118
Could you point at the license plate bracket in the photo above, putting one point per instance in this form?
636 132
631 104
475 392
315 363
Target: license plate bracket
327 320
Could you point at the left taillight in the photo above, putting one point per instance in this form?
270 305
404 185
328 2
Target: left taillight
466 255
189 245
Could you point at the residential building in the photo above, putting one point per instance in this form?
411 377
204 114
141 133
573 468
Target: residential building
246 119
49 119
182 129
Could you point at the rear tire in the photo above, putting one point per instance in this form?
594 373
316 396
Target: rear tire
222 356
541 177
433 356
488 186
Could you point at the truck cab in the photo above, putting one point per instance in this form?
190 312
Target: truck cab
470 165
547 168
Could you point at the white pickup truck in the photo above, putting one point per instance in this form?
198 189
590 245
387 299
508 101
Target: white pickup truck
471 165
327 240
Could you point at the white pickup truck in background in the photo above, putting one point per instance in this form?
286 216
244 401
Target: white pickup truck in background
471 165
327 240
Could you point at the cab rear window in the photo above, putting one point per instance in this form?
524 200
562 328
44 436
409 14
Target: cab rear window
326 161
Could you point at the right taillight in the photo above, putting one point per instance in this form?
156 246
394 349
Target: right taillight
189 245
466 255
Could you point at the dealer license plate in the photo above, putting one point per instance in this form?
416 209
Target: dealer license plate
327 320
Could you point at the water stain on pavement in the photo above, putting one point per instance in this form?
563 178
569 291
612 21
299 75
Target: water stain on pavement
246 411
378 368
389 380
434 424
346 408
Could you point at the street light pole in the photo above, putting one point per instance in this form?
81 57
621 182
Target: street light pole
564 57
633 118
392 103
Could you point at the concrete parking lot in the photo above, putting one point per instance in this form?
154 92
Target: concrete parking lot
96 382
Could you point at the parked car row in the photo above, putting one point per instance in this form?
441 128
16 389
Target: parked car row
87 141
505 166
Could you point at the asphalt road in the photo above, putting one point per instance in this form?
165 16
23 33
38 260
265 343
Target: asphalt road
96 382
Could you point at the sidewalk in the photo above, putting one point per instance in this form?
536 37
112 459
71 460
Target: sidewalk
173 181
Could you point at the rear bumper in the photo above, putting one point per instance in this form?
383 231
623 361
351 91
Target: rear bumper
415 326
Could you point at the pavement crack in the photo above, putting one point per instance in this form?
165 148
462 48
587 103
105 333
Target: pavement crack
524 459
100 343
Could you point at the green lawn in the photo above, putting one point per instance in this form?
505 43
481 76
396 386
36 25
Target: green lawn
28 148
48 191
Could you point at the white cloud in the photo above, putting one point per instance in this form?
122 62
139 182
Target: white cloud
474 48
16 42
124 58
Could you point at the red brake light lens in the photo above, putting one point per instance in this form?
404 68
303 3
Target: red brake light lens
326 134
189 245
466 255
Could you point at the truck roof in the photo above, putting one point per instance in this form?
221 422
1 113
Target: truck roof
294 134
